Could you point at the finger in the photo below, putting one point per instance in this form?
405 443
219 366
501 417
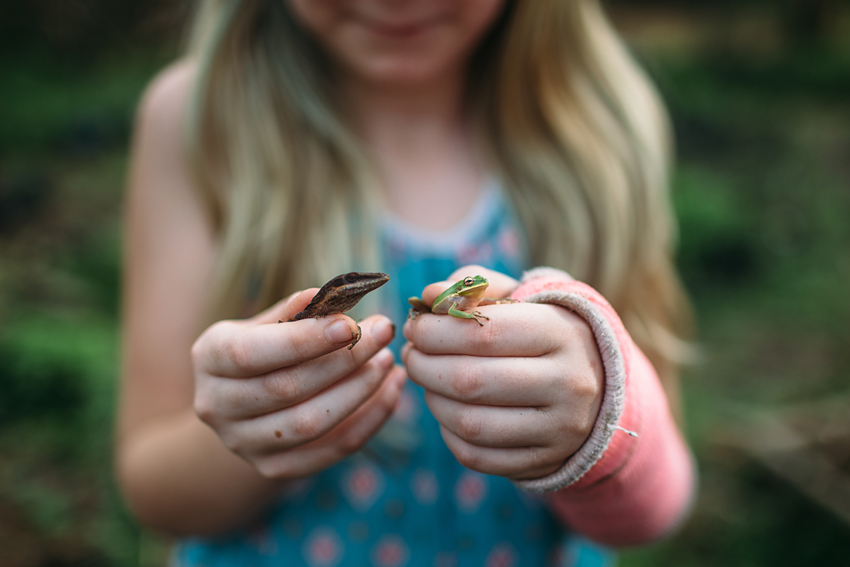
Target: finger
495 381
517 329
519 463
313 418
498 427
346 438
238 350
284 387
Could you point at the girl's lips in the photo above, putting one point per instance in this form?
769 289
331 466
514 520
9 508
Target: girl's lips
398 31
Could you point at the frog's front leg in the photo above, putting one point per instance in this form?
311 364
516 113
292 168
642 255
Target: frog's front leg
477 315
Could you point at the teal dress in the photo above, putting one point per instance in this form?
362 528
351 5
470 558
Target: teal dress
406 501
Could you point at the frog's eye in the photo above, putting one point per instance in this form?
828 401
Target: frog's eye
467 282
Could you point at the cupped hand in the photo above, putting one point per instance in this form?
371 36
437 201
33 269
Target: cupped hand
288 398
514 397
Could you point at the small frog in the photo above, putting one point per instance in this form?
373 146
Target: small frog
458 300
341 294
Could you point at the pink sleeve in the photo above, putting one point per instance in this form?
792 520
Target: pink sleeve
633 480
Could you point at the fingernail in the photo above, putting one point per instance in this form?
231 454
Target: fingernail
401 380
339 332
384 358
383 331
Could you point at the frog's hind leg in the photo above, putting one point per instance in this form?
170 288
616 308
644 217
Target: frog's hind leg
477 315
417 306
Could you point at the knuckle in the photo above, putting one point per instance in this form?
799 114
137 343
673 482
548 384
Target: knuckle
370 375
369 379
561 426
307 425
204 407
265 469
206 351
484 337
535 458
350 443
208 344
270 468
233 442
198 350
236 353
585 424
282 385
301 344
377 377
469 425
585 389
468 382
390 401
467 456
575 428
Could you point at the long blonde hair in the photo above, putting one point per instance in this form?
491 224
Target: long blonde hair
566 117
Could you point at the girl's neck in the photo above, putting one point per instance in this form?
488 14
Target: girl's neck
401 113
419 142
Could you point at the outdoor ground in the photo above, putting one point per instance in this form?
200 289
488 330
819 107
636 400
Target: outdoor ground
762 192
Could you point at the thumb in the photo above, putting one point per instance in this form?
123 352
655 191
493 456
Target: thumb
286 308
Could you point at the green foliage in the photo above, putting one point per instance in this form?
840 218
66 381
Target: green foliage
50 105
762 194
763 201
717 244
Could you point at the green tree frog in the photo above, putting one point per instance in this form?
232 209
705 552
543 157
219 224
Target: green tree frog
458 301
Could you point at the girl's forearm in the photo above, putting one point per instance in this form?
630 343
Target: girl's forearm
633 480
177 477
643 487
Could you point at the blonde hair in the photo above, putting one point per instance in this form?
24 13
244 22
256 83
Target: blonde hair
565 116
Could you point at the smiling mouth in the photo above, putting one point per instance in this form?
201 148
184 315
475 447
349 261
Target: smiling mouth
398 31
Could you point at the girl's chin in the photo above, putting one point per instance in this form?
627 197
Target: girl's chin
398 73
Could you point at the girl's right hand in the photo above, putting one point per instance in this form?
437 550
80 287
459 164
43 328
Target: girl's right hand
288 398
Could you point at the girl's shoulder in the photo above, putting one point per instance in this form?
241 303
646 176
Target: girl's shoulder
158 154
163 106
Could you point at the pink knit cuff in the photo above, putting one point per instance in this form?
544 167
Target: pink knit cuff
609 444
616 489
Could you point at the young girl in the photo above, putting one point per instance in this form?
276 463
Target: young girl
300 139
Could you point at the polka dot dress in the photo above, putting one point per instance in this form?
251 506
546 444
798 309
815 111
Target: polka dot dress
405 500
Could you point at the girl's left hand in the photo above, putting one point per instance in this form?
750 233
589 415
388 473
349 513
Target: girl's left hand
515 397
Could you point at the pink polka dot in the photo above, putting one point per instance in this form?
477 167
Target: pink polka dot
470 491
323 548
501 556
363 485
425 487
390 551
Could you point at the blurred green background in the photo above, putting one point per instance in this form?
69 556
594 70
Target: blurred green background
759 92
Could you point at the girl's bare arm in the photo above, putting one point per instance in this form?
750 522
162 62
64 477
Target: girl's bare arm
255 384
172 468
